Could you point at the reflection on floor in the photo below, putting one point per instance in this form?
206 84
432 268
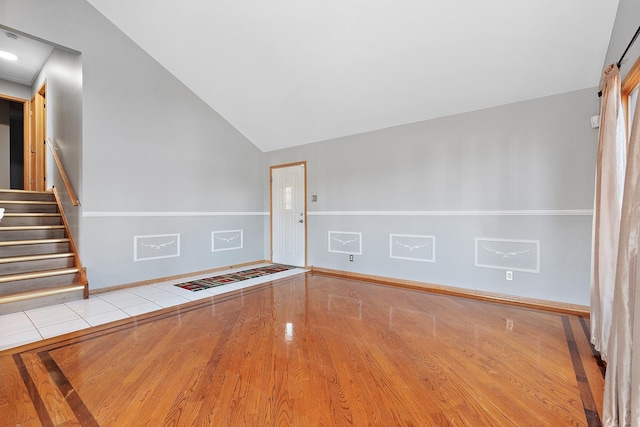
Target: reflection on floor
35 325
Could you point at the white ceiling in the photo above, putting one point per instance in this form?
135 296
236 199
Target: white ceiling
291 72
31 53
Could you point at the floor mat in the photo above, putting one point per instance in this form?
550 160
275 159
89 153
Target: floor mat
225 279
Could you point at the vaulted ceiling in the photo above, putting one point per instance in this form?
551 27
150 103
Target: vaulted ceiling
291 72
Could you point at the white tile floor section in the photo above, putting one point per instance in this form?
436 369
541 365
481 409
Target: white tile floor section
35 325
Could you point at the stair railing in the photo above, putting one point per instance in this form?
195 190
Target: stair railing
63 174
82 271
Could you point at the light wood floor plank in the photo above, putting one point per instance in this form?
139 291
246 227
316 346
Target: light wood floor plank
16 407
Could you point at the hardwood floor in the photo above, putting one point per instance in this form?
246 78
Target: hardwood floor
312 350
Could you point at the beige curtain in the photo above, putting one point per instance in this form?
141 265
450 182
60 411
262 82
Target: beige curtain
610 168
622 382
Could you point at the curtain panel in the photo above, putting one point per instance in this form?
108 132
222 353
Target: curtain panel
610 171
622 382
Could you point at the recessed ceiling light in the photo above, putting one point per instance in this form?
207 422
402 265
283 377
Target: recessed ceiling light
8 55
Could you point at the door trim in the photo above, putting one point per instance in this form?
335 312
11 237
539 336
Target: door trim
36 173
306 236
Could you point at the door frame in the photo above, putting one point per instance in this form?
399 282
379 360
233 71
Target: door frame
35 174
304 217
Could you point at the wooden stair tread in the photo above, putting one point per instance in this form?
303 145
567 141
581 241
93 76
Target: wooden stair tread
26 202
23 214
31 227
42 257
33 242
38 274
37 268
37 293
12 190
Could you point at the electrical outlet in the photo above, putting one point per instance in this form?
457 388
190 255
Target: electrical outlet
509 275
350 258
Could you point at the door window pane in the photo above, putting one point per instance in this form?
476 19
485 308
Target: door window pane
288 196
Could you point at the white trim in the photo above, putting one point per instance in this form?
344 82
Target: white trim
97 214
213 240
569 212
431 239
541 212
176 241
353 233
499 267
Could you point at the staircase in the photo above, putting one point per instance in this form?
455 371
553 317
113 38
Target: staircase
39 263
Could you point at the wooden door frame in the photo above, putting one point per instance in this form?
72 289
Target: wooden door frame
306 228
25 125
36 179
630 82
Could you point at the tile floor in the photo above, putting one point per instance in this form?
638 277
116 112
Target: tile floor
34 325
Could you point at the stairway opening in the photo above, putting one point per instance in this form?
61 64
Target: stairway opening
12 144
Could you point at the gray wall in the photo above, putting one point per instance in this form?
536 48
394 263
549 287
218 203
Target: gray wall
625 26
5 144
474 175
15 90
62 74
154 158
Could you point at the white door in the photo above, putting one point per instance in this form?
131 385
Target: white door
288 215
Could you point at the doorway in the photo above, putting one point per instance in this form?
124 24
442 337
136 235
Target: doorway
289 214
14 129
